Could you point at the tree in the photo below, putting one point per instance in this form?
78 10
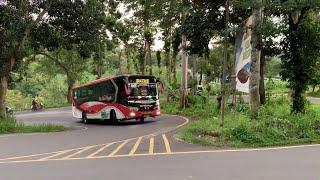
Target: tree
70 63
66 31
145 13
300 50
16 21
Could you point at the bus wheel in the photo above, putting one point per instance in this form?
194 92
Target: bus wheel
84 118
142 120
113 117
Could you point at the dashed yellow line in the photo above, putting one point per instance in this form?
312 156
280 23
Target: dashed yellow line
135 147
99 150
55 155
78 152
118 148
151 145
166 143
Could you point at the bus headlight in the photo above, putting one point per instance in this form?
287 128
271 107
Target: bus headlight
132 114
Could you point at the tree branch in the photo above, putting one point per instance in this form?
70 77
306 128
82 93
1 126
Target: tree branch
28 29
56 60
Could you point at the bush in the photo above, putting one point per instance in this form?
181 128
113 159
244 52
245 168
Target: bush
17 101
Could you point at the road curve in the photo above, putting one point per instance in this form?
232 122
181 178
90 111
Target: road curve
144 152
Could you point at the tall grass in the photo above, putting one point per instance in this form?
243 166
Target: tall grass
10 125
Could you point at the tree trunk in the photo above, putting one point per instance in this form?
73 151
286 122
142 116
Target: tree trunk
3 94
121 64
297 91
184 83
174 68
255 56
201 76
168 68
99 67
71 84
145 59
262 91
194 75
149 60
99 70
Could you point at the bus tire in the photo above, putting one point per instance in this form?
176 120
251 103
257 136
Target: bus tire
113 117
141 120
84 118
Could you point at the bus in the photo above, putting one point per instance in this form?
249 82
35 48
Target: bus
118 98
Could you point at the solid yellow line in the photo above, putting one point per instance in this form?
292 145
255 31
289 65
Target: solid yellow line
78 152
55 155
118 148
135 147
166 143
99 150
151 145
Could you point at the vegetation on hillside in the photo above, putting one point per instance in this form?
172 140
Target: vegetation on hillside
274 125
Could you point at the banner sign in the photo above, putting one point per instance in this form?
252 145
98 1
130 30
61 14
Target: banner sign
243 58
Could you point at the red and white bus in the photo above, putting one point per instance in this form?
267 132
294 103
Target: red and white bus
117 98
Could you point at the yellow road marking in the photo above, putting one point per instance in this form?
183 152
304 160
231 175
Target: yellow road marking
166 143
78 152
135 147
118 148
55 155
151 145
99 150
29 156
173 153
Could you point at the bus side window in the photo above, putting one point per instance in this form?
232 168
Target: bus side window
111 91
108 92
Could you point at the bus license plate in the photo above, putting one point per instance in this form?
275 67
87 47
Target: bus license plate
146 114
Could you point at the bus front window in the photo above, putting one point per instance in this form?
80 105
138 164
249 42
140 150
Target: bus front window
143 89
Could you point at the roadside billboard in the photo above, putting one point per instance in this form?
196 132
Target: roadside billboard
243 57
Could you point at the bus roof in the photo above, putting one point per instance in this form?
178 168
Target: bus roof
98 81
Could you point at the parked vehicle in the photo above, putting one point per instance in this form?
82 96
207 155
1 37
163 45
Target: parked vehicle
9 112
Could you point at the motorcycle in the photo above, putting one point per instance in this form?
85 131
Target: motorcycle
9 112
37 107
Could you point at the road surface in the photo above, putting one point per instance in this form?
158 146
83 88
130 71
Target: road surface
140 151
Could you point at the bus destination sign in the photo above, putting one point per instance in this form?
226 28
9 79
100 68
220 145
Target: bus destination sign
142 81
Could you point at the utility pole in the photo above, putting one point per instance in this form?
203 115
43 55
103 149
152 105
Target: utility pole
223 84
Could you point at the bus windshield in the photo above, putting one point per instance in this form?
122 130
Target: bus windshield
143 89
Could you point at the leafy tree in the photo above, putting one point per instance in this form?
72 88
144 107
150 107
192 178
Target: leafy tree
301 50
143 20
16 21
66 39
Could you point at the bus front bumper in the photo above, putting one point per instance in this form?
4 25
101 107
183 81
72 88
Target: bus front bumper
141 114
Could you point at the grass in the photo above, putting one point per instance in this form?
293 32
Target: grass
10 125
274 125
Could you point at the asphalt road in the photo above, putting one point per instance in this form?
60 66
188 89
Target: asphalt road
140 151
